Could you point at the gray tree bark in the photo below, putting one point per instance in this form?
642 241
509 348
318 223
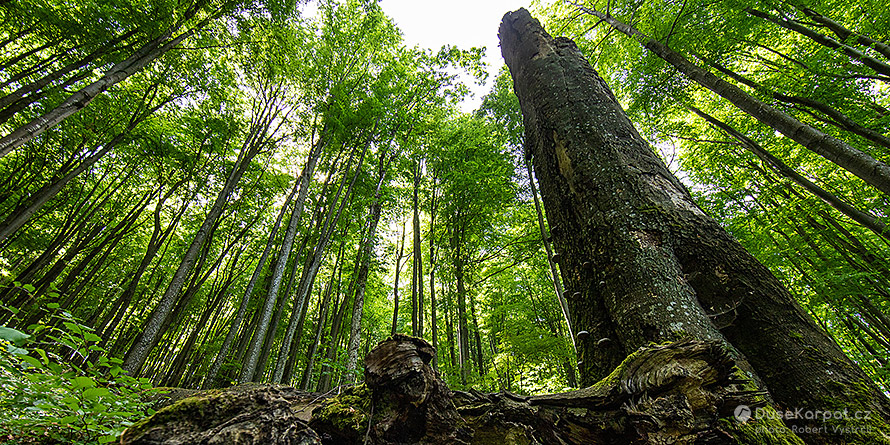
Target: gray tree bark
645 262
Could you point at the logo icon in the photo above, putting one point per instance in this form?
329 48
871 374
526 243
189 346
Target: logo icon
742 413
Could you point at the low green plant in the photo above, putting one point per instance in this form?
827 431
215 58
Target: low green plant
57 385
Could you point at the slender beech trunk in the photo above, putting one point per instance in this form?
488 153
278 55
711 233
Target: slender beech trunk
323 310
116 313
367 248
867 220
480 363
657 267
395 286
449 327
317 255
17 100
831 115
26 210
253 352
417 282
431 235
548 249
824 40
117 73
149 336
239 318
867 168
845 34
462 332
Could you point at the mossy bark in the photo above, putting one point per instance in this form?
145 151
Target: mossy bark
643 263
680 393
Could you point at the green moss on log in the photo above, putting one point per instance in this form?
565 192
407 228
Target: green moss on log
348 413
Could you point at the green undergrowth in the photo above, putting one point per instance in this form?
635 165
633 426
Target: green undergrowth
57 385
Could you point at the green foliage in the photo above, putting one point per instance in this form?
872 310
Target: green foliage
57 385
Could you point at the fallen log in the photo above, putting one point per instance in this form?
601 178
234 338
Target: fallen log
683 392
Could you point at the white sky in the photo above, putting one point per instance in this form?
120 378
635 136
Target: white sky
463 23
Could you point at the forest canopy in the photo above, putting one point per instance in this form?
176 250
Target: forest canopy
204 193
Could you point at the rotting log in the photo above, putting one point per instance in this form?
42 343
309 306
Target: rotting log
683 392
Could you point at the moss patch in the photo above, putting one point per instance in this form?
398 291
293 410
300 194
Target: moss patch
346 415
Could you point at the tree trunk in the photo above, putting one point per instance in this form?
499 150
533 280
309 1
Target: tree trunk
117 73
324 240
834 116
287 243
545 240
323 310
395 286
868 221
26 210
845 34
352 350
431 235
148 337
239 317
463 337
644 258
417 282
822 39
867 168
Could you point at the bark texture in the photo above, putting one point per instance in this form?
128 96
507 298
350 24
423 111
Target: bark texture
641 261
674 393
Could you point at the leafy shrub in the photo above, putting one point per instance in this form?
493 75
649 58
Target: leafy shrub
57 385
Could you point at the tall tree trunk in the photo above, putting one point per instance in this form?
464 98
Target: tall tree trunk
395 286
352 349
117 73
361 280
867 168
548 249
116 313
318 254
239 318
253 353
27 209
323 310
433 310
417 281
831 115
845 34
462 331
822 39
867 220
662 269
148 337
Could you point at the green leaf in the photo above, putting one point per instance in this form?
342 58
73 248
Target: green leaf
29 287
68 419
94 393
83 382
73 327
89 336
13 336
31 361
52 305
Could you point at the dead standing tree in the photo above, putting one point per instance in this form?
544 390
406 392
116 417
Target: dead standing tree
643 263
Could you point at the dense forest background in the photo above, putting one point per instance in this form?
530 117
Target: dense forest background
212 192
